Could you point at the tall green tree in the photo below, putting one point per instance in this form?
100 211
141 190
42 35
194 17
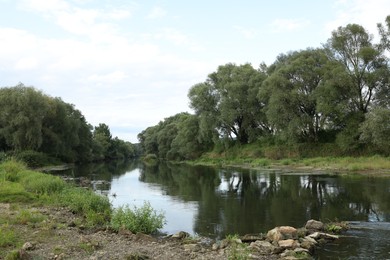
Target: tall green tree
227 102
359 74
364 64
102 141
291 91
22 112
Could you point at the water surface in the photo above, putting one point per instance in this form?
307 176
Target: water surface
215 202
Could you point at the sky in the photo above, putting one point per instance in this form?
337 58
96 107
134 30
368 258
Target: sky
130 63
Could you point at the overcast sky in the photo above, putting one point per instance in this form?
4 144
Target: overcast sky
130 64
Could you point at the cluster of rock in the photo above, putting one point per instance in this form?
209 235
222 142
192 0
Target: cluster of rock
286 242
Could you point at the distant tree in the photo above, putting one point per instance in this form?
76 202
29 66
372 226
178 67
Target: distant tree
227 102
102 141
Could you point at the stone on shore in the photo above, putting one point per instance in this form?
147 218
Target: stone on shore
282 233
314 225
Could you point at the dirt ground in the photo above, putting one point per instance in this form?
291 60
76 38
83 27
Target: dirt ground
56 233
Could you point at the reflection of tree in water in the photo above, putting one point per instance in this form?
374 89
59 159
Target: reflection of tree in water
242 201
101 174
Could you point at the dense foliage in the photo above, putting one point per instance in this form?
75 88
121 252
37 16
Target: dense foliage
34 125
338 94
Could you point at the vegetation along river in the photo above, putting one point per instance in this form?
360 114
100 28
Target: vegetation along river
216 202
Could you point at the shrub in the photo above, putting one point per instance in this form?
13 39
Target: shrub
144 219
95 208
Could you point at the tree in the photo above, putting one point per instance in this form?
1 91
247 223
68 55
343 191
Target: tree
292 91
376 129
22 112
364 63
102 139
359 75
227 102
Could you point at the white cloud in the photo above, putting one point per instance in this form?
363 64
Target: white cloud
156 13
365 13
248 33
110 78
286 25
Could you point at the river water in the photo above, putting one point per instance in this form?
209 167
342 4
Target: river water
215 202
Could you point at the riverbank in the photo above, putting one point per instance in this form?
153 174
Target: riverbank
369 165
43 232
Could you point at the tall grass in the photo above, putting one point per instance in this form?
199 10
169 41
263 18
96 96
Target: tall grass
18 184
96 208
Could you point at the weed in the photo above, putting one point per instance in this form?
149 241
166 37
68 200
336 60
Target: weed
13 255
25 217
87 247
7 237
94 207
144 219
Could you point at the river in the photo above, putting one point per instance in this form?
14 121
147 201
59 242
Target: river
215 202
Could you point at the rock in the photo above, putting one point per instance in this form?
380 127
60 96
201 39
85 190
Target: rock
314 225
192 247
320 235
125 232
251 238
282 233
220 244
181 235
27 246
264 247
308 243
288 243
144 237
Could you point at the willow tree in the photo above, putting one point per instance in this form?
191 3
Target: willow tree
292 93
360 73
227 102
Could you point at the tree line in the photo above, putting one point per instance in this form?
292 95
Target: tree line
32 123
339 94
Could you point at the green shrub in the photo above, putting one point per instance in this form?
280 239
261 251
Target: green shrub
144 219
95 208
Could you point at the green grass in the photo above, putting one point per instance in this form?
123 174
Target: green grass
250 155
20 185
8 237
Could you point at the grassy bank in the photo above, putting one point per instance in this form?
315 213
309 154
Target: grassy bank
322 156
23 191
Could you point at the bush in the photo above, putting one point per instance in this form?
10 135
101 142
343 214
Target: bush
144 219
96 208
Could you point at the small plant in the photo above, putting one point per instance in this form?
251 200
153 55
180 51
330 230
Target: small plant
25 217
13 255
144 219
7 237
